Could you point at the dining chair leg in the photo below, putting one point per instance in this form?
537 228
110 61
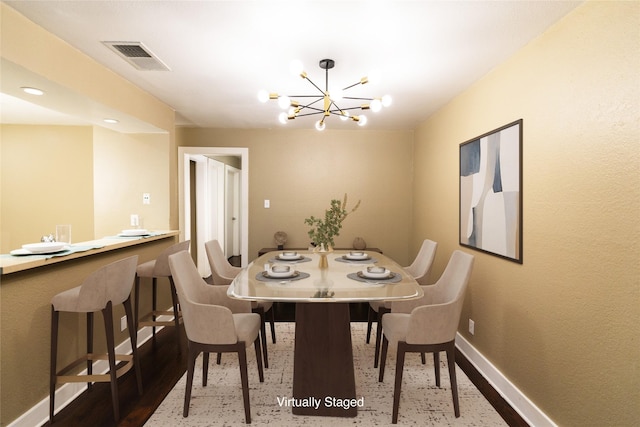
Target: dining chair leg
89 348
136 307
423 358
219 358
176 312
370 314
273 324
451 361
242 359
205 367
383 358
436 366
107 314
191 364
381 311
398 382
263 333
53 360
256 344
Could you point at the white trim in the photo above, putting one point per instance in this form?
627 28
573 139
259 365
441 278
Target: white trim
516 399
38 415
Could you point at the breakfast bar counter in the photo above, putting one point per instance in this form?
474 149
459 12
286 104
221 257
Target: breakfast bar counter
27 284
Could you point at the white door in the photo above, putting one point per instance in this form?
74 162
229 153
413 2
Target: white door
232 211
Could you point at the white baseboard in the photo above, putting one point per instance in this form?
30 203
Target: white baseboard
516 399
65 394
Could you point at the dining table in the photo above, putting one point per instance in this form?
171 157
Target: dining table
323 374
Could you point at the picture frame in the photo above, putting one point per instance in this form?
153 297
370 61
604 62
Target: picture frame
491 192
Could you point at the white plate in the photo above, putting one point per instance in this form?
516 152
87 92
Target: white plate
384 275
45 247
358 257
134 232
289 257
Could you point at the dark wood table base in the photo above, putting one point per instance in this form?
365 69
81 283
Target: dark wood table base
323 375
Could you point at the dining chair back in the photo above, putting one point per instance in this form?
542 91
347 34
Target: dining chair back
428 325
419 270
100 291
212 326
223 273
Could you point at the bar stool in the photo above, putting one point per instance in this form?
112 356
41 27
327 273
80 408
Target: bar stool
106 287
153 270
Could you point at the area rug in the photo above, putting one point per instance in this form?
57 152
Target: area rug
421 402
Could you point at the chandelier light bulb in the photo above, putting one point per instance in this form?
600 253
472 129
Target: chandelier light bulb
320 125
263 96
386 101
362 121
284 102
344 116
376 105
374 77
336 94
283 117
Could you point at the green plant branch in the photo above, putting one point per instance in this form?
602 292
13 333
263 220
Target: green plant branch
324 230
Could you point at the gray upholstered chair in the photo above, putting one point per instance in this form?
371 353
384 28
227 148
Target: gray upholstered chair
153 270
419 270
428 325
213 323
106 287
223 273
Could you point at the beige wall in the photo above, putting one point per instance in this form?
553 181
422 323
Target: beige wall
563 327
47 175
300 171
125 167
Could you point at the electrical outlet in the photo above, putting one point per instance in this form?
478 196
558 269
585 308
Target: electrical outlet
267 204
472 327
146 198
123 323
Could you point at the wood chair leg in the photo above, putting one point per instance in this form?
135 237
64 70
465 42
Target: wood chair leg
256 344
383 358
54 355
154 297
436 366
136 307
370 314
242 359
205 367
451 361
219 358
133 336
381 311
398 383
423 358
272 320
191 364
263 334
107 314
89 347
176 312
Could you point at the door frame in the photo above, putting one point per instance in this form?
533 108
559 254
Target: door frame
185 154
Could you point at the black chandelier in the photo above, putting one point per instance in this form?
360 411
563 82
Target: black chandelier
325 103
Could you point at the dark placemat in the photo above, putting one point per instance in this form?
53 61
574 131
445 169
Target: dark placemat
397 277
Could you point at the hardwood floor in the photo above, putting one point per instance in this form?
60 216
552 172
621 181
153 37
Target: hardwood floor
163 365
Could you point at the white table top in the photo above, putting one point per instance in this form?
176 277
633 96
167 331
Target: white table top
323 285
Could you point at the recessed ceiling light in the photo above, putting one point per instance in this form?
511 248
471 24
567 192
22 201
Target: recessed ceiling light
32 90
111 121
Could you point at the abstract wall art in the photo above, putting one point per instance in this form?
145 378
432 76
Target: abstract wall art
491 192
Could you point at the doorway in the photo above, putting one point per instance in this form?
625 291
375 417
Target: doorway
214 200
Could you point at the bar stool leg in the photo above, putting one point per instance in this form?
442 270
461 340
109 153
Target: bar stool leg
107 314
89 348
154 292
133 335
54 354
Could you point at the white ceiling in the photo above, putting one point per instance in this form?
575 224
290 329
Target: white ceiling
220 53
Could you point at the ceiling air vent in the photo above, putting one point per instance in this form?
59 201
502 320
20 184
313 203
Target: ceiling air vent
138 55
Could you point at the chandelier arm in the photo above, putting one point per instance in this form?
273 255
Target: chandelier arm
318 111
314 85
357 98
350 86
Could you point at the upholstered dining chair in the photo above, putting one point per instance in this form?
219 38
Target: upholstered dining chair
223 273
100 291
154 270
214 323
428 324
419 270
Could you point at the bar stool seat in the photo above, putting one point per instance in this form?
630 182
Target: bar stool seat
110 285
153 270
